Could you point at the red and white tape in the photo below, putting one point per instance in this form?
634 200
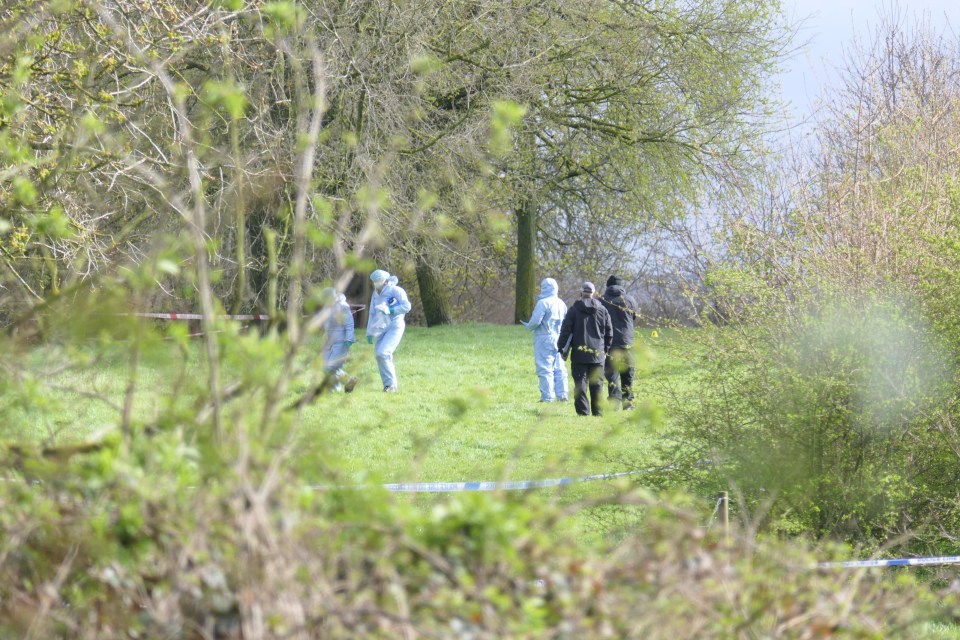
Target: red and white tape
198 316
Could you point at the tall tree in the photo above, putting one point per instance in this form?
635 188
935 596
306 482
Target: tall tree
627 106
634 107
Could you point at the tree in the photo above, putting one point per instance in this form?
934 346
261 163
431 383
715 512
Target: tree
608 127
635 108
830 396
83 120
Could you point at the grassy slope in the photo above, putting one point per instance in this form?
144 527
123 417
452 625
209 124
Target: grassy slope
468 410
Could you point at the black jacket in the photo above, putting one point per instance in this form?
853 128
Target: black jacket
588 324
622 309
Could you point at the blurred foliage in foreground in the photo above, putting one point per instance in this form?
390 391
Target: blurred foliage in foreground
155 540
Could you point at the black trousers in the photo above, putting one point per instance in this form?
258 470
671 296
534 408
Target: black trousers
587 376
618 369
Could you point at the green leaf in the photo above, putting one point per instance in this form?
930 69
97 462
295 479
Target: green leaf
319 238
323 208
505 115
229 5
226 95
508 112
285 15
425 64
54 224
24 191
168 267
21 71
92 123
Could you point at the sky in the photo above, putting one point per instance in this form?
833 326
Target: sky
829 27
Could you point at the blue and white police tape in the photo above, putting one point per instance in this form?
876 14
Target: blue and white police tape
506 485
894 562
501 485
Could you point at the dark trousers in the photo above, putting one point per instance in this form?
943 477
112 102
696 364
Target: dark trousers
618 369
584 376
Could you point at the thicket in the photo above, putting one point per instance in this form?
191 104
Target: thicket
160 537
410 155
826 398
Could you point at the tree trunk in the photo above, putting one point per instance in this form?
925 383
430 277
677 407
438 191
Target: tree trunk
433 295
239 226
273 271
526 295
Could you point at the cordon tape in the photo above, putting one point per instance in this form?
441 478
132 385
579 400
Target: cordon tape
893 562
507 485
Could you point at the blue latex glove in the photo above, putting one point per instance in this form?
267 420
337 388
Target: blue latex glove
349 343
369 339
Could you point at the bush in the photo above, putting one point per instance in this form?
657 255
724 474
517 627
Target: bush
827 424
111 543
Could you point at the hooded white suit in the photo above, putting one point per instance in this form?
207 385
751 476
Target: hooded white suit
545 325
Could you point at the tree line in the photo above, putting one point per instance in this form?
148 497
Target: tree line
458 142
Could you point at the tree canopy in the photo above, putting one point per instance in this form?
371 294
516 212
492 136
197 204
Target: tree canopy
451 134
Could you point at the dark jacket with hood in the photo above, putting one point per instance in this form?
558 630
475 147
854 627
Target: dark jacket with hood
587 325
622 309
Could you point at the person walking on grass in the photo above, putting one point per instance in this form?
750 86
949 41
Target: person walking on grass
545 324
339 338
588 328
619 366
388 306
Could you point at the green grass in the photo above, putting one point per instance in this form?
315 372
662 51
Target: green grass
939 631
467 409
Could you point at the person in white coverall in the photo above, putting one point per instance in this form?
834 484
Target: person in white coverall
388 305
545 324
339 337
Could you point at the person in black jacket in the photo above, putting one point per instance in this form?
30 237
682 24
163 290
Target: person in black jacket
618 368
586 335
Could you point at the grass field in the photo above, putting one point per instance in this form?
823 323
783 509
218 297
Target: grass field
467 409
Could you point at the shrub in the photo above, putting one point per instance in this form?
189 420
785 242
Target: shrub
111 541
828 424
